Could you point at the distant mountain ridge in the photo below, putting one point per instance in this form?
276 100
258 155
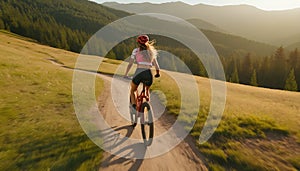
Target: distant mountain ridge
243 20
205 25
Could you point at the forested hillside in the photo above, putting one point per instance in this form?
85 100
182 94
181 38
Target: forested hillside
64 24
228 44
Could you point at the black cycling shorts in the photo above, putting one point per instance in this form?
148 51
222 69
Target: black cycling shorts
143 75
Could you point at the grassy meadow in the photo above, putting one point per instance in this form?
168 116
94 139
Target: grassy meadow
260 128
39 129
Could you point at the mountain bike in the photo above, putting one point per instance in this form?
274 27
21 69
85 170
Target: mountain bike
144 112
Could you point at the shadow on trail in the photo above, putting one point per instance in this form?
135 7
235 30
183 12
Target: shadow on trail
128 153
112 137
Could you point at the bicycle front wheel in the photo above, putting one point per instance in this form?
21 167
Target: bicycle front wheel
147 125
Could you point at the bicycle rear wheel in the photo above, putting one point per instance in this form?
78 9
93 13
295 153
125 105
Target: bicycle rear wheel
147 126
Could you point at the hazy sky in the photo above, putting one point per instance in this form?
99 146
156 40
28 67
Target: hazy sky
262 4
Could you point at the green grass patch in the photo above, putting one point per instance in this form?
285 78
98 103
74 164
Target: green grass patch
215 154
295 161
215 167
247 127
226 147
241 161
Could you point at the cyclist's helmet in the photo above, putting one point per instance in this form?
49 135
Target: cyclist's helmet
142 39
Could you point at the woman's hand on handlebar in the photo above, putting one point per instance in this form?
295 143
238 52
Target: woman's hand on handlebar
127 77
157 74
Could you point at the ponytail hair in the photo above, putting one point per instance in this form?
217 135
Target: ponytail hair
151 49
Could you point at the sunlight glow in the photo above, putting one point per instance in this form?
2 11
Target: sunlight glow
261 4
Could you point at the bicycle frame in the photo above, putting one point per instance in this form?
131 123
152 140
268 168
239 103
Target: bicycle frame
144 112
139 101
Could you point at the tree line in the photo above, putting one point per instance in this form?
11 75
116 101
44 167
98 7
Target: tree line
279 71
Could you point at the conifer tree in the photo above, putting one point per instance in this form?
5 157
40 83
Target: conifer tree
293 58
2 25
234 78
290 83
278 69
246 69
253 80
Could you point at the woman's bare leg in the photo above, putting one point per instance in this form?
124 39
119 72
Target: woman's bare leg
133 89
148 91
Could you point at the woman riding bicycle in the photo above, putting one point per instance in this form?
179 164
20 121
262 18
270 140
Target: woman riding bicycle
145 57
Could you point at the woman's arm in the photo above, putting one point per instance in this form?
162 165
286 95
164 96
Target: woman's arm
156 67
129 66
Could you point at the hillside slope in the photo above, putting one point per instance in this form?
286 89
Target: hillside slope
204 25
227 45
39 129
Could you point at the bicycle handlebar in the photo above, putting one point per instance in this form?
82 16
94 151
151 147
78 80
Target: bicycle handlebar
130 77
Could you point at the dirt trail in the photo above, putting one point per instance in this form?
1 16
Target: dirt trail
183 157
